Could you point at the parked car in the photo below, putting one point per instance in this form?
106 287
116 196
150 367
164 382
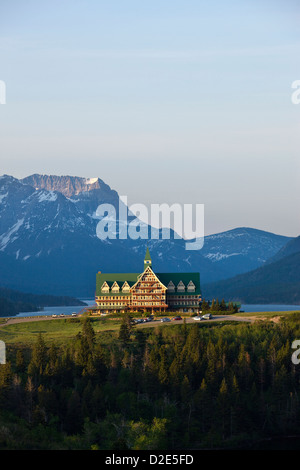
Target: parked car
74 314
207 316
198 318
177 318
54 315
165 319
62 315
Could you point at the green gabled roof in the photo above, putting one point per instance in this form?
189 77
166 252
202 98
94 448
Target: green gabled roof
132 278
110 278
147 255
165 278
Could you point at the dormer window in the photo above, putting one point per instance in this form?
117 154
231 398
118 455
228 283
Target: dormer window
191 287
171 287
105 287
115 287
180 287
125 287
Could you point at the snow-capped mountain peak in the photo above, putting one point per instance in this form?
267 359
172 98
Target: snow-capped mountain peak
48 240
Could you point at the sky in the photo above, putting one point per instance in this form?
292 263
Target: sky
183 102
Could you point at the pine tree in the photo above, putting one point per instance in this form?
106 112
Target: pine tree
184 329
202 402
5 380
88 331
30 390
20 361
224 406
163 373
74 422
38 358
124 332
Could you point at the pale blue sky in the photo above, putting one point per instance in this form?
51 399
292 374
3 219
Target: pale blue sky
166 101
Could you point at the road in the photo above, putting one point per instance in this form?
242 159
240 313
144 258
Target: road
14 320
191 320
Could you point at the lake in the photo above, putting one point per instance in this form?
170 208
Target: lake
58 310
270 308
89 302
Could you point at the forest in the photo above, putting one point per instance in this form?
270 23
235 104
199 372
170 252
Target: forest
202 386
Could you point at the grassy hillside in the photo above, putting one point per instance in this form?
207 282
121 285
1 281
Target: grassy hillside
62 331
58 331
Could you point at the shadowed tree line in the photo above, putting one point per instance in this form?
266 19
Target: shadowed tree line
175 387
215 306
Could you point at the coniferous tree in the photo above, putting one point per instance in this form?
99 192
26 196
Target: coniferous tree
38 358
124 332
224 406
163 370
30 390
74 421
20 361
88 331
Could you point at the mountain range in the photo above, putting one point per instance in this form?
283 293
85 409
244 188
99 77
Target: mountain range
49 245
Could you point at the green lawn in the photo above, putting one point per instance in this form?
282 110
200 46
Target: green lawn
59 331
266 315
64 330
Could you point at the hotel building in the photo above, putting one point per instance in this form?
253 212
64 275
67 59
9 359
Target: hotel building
147 291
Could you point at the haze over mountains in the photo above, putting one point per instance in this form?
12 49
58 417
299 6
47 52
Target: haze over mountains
48 241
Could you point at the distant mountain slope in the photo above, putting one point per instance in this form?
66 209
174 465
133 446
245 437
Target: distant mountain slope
277 282
48 241
293 246
232 246
13 302
10 308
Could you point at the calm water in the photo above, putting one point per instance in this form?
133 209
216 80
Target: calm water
270 308
69 310
57 310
